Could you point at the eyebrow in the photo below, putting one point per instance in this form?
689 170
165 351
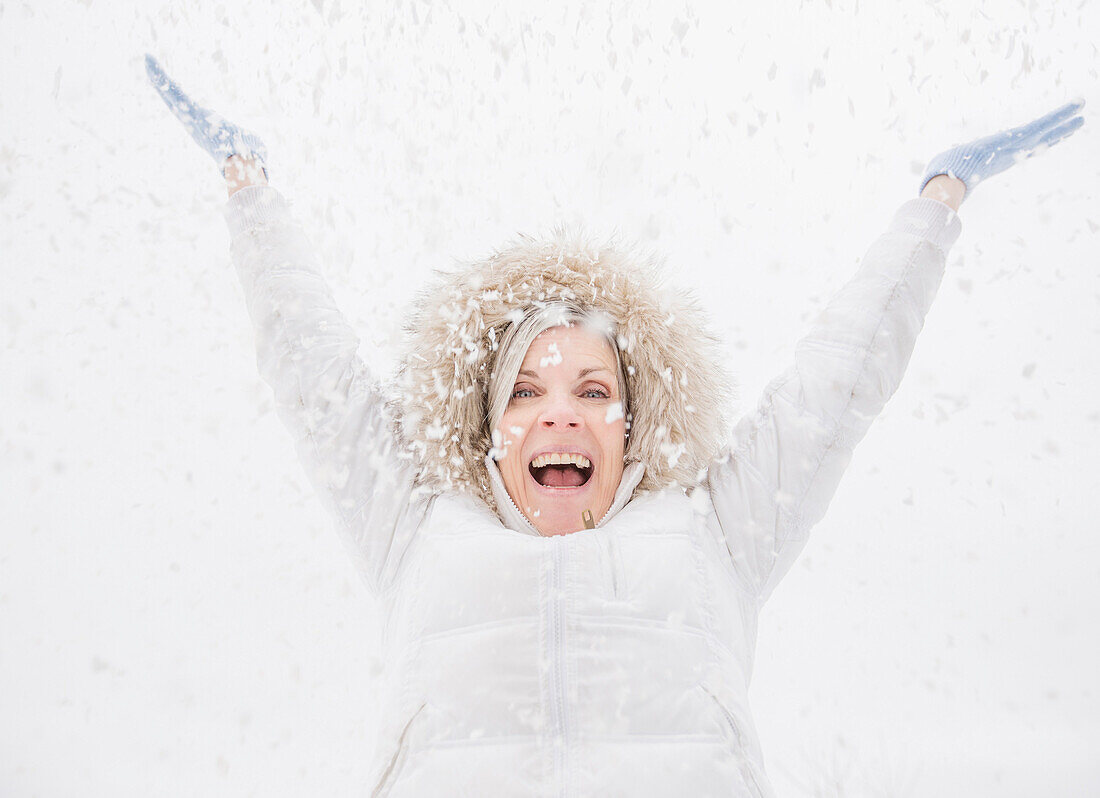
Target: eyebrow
580 374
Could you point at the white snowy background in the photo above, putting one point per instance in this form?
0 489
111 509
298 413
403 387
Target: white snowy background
178 618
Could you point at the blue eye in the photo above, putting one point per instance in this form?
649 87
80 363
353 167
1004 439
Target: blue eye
595 393
522 393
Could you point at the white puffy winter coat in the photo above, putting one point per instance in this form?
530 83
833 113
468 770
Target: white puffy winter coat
608 662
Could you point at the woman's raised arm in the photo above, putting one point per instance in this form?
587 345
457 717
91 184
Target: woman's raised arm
788 456
308 353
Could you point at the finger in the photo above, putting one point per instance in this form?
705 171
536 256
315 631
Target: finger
174 97
1052 137
1061 114
1049 139
165 86
1044 123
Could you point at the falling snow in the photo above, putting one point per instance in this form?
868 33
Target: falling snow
172 597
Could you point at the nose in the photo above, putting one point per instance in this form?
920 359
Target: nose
559 414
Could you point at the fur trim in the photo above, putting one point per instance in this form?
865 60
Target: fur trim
680 393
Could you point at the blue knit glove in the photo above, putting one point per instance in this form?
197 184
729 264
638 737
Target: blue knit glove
219 137
986 157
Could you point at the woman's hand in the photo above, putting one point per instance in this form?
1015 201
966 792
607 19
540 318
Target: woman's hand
985 157
240 154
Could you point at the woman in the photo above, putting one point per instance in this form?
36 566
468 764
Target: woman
571 549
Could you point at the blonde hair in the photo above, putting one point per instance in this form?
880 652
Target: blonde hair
517 339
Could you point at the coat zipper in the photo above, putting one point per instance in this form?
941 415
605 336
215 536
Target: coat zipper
746 770
555 627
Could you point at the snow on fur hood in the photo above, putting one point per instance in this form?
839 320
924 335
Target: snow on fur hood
679 391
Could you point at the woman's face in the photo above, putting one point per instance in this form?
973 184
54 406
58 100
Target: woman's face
563 430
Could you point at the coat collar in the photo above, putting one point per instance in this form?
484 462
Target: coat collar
517 521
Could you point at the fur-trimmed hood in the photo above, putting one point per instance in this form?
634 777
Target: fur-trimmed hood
680 393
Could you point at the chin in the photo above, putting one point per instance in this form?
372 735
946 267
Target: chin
561 520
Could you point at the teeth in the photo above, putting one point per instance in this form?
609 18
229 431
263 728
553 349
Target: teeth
560 458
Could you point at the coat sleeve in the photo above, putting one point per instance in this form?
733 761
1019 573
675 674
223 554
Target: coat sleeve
787 457
324 395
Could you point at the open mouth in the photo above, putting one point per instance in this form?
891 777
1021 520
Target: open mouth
560 470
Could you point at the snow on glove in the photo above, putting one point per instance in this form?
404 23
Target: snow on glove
219 137
986 157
